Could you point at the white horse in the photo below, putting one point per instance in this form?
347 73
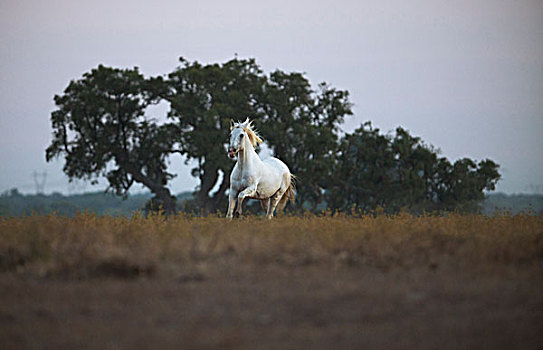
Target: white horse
268 180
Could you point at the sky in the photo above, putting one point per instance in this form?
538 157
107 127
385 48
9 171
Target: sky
466 76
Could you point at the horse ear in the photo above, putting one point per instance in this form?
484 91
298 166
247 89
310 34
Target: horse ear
231 124
246 124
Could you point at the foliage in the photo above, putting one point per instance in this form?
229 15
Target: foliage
101 130
202 100
301 126
97 202
13 203
401 172
498 203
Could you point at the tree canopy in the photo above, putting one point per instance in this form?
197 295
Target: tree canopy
101 129
400 172
203 98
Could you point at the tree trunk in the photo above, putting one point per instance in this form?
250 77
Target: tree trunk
161 192
208 178
167 201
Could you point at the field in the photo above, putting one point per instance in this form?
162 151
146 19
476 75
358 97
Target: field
375 282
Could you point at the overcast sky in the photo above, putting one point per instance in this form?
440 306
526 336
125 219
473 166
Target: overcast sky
466 76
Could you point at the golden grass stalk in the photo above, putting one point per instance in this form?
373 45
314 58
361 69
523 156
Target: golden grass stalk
90 246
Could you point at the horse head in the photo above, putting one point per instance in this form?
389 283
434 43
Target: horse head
240 132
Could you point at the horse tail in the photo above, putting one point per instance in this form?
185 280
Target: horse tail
290 193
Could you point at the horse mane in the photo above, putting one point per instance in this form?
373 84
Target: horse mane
247 126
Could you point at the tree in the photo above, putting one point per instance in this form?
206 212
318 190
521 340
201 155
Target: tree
401 172
415 173
363 175
100 129
298 124
461 184
301 126
203 98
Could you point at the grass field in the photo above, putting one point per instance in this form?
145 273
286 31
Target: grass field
453 282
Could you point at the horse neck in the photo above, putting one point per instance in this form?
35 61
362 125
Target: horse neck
248 156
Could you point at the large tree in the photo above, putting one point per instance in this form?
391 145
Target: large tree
203 99
301 126
399 171
363 171
101 130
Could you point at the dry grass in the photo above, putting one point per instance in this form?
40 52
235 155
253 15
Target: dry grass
89 246
374 282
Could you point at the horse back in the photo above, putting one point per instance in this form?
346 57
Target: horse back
277 165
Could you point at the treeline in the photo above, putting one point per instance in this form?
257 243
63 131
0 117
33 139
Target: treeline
100 129
13 203
497 203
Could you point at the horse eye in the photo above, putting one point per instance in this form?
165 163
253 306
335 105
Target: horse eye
241 136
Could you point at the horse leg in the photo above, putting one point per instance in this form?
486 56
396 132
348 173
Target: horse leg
265 205
248 192
274 200
231 204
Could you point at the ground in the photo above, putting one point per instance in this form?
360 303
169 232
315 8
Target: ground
275 294
277 307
